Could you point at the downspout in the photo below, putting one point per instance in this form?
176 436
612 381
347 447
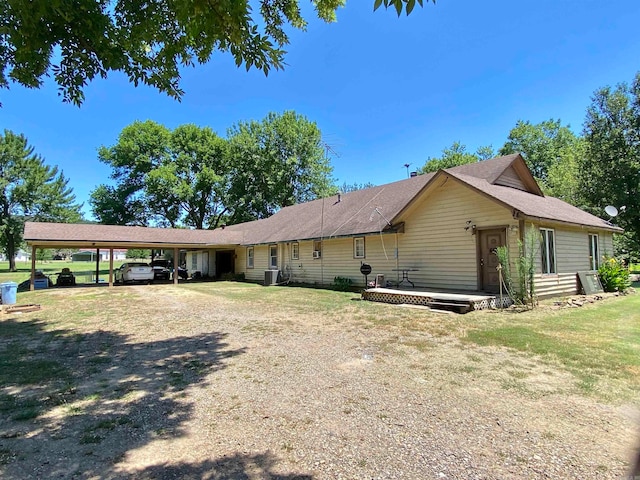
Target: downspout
397 261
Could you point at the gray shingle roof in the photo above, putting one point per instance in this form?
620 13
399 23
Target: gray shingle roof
73 232
534 206
356 213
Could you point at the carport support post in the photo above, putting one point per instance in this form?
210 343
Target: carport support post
32 286
97 266
176 259
111 267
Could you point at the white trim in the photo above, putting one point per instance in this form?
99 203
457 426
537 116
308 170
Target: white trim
357 240
548 252
594 253
250 257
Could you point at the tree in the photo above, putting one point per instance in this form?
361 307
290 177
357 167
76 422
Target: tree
147 41
43 254
31 190
352 187
141 147
168 178
454 156
138 253
277 162
610 170
552 152
191 188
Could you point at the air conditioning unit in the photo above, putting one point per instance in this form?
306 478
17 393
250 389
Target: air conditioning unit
317 254
271 277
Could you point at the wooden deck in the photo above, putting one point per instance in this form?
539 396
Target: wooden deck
457 302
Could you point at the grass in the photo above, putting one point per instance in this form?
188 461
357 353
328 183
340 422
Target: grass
598 343
51 267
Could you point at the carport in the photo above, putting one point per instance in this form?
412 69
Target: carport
95 236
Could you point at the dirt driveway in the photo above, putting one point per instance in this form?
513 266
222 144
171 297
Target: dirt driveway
174 383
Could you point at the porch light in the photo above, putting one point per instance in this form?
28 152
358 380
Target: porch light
470 226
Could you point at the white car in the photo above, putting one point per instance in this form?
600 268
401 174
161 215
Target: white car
134 272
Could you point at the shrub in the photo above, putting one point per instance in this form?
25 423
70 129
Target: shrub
342 284
614 275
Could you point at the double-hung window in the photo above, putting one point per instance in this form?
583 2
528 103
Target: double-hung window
295 251
358 247
548 251
249 257
594 252
273 256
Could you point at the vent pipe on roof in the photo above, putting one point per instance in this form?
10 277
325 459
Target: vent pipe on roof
339 197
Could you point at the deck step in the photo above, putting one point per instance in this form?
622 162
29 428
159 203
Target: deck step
460 302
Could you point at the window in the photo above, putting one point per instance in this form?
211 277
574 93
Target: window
295 251
594 252
358 247
194 261
317 248
548 251
249 257
273 256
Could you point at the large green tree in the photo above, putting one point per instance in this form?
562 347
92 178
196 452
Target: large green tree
552 152
162 177
277 162
191 188
610 170
141 148
149 42
31 190
454 156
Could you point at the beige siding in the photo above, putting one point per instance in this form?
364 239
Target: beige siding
510 178
260 262
436 242
202 262
572 256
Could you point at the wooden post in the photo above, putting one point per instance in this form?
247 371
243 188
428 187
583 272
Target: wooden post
97 266
32 284
111 267
176 264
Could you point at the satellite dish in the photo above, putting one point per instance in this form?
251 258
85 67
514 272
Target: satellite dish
611 210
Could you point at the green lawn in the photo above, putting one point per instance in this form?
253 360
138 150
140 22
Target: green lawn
598 343
82 270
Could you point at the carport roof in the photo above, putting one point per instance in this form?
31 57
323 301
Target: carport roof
96 235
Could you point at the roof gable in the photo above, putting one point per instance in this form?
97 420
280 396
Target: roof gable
509 171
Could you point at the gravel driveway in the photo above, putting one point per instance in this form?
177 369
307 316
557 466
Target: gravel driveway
195 386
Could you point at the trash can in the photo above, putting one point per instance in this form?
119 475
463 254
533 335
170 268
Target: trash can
8 290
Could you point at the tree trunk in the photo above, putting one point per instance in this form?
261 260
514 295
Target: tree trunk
11 252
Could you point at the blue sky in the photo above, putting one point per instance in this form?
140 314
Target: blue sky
384 91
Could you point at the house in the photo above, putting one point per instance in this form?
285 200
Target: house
436 231
91 255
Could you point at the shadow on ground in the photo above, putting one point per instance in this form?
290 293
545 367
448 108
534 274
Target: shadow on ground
73 404
236 467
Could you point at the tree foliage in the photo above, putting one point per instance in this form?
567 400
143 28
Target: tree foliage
162 177
190 177
552 152
277 162
147 41
31 190
454 156
352 187
610 170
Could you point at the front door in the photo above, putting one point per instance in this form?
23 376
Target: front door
489 240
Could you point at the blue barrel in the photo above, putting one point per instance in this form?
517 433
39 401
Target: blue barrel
9 290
